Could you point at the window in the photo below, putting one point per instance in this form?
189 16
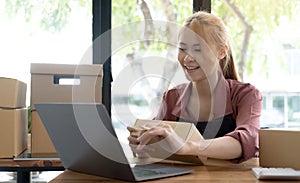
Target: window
292 56
42 32
145 53
32 34
271 61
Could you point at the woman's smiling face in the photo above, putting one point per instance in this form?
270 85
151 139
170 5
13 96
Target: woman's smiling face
195 55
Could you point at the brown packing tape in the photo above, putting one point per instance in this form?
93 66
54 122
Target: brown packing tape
186 131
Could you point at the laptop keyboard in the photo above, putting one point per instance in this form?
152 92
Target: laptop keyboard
147 170
140 172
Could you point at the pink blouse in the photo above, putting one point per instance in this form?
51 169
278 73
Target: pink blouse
242 100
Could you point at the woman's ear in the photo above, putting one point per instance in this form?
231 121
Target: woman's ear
223 52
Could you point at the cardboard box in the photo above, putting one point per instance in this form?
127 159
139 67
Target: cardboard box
65 83
60 83
279 148
13 132
186 131
12 93
40 141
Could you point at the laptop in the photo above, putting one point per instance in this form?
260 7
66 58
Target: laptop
85 140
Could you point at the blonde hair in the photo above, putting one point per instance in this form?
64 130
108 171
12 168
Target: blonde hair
212 29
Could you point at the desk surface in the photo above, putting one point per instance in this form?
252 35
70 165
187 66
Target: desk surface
10 163
213 172
23 168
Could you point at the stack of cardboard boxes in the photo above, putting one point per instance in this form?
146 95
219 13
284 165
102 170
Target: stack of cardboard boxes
58 83
13 117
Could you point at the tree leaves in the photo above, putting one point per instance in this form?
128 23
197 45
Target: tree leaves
264 16
52 15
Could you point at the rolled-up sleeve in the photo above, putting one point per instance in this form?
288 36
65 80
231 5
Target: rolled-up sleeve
167 105
248 108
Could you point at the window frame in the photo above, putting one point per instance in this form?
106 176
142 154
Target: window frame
102 48
102 10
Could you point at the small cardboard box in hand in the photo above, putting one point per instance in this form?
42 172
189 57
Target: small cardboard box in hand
185 131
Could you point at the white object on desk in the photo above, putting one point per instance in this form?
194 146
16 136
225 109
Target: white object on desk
276 173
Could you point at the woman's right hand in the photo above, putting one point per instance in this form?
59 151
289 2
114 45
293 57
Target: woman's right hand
132 139
156 136
133 143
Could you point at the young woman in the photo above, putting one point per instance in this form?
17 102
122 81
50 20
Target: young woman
224 110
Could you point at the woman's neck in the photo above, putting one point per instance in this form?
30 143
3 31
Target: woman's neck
205 88
202 94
